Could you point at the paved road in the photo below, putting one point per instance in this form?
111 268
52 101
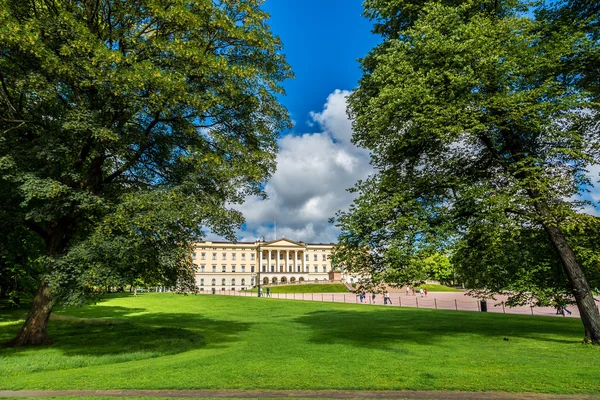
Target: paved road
439 300
289 394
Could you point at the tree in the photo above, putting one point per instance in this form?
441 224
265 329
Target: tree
127 127
504 257
474 112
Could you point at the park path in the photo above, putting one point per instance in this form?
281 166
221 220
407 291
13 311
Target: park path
295 394
458 301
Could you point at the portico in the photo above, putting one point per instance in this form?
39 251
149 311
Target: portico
282 256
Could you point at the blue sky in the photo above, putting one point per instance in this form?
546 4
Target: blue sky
322 42
317 162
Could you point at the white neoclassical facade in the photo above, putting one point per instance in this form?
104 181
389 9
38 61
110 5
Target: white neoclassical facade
236 266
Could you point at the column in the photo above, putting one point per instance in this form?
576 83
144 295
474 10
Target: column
303 261
259 263
295 260
277 262
269 261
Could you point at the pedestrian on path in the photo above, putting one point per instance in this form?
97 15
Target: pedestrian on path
421 292
268 292
425 290
373 297
386 298
407 290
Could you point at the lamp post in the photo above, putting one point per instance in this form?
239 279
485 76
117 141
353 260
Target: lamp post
262 239
258 280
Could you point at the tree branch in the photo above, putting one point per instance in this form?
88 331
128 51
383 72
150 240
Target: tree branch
138 154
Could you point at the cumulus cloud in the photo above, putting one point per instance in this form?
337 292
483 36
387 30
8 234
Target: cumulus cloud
314 169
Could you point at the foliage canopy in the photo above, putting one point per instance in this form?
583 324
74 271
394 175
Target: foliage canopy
127 127
481 119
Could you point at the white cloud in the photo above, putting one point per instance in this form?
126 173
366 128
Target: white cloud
313 172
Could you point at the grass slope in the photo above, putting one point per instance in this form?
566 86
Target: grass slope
306 288
431 287
167 341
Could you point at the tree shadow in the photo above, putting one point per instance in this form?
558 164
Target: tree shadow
125 334
380 327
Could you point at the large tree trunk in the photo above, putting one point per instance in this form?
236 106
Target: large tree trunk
581 289
34 330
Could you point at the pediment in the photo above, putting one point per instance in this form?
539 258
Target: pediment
284 242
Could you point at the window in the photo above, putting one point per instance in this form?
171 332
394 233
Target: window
223 281
214 256
252 268
297 256
233 268
324 257
316 257
307 257
202 268
214 268
281 255
243 256
243 282
202 282
264 256
233 282
214 282
224 256
316 269
203 256
252 257
272 255
307 268
324 268
233 256
290 255
264 268
243 268
193 256
223 268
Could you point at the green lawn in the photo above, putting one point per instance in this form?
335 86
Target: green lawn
167 341
306 288
431 287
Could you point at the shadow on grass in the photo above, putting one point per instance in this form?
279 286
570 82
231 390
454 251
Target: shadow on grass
107 331
376 328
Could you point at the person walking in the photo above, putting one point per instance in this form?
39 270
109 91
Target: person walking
373 297
425 290
268 292
386 298
421 292
407 290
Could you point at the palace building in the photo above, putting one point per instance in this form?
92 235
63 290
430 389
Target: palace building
237 266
